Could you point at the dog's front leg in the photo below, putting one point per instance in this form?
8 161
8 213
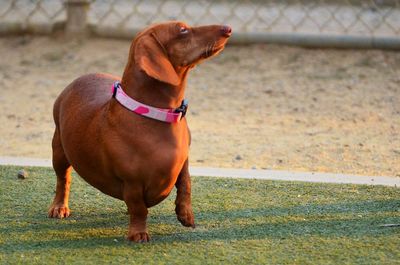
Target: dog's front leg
133 197
183 200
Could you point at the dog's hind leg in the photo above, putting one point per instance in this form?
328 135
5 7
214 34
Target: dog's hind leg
183 202
59 207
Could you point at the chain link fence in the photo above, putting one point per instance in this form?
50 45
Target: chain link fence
340 23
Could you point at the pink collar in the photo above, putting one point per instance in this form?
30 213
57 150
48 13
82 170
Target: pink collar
165 115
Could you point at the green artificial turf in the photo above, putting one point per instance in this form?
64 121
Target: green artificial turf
238 222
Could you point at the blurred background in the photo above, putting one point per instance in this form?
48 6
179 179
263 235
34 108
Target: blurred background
339 21
307 85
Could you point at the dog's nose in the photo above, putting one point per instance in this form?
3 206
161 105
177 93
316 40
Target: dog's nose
226 30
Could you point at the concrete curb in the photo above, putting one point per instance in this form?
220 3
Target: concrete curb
296 176
25 161
247 173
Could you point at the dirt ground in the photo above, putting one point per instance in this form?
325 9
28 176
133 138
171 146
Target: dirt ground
259 106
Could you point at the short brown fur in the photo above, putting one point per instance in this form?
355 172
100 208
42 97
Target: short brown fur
124 155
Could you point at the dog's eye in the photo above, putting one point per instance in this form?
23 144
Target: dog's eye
183 30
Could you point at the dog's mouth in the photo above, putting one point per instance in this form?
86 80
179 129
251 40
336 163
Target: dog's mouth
212 49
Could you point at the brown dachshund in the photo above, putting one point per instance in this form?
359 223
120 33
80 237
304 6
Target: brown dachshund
131 140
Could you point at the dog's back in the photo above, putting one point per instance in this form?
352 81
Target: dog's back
83 97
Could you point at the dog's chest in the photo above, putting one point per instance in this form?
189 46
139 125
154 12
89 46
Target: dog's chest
163 176
151 158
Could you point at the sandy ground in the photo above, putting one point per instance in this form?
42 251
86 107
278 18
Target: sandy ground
260 106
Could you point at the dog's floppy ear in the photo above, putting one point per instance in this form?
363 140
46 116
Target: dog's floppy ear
152 58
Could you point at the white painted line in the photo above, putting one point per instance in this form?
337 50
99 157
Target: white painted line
246 173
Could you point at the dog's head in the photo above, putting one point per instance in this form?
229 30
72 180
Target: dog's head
163 50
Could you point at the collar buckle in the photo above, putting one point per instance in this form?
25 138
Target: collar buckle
182 108
115 88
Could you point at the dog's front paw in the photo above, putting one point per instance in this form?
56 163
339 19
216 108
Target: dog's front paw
185 215
59 211
138 237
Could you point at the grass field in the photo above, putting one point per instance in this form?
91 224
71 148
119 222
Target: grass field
238 222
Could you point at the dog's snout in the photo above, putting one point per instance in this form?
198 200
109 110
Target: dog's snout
226 30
